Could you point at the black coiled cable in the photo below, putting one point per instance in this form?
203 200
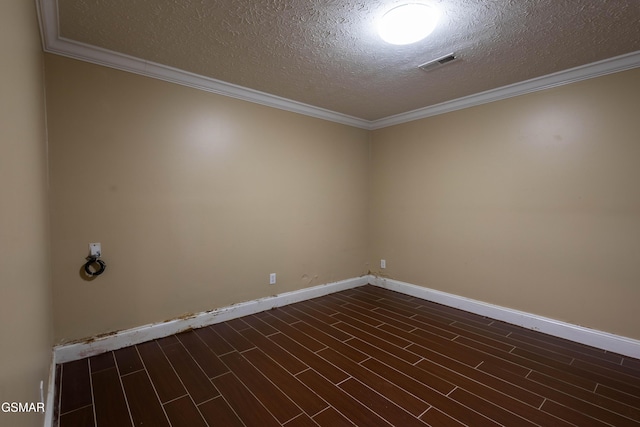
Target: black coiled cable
91 261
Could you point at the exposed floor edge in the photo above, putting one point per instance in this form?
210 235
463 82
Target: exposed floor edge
592 337
75 351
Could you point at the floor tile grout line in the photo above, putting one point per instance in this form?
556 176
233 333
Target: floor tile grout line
300 321
369 334
77 409
390 402
93 400
482 384
317 307
268 379
174 399
124 392
420 360
304 370
332 325
540 350
461 332
132 372
320 342
410 343
343 381
424 412
428 327
283 349
467 346
581 413
335 409
503 360
542 404
630 380
615 400
375 374
161 349
574 354
363 312
321 332
566 344
388 342
153 386
444 316
231 372
222 396
402 374
197 405
382 294
462 404
293 418
278 387
435 351
510 383
309 311
205 342
354 302
582 400
496 404
196 362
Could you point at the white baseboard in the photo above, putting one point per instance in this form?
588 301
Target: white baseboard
51 394
75 351
603 340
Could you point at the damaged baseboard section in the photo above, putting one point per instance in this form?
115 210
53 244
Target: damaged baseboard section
113 341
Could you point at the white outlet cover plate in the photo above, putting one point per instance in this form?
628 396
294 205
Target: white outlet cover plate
95 249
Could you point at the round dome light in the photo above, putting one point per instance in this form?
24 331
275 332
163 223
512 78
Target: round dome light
408 23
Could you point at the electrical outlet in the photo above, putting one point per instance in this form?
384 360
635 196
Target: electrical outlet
95 249
383 263
272 279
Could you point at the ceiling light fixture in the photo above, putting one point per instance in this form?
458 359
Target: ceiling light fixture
408 23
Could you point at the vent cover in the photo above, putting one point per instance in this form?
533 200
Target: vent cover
439 62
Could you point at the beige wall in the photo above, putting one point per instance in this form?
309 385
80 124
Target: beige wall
531 203
195 198
528 203
25 302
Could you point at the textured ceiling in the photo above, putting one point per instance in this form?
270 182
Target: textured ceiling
326 53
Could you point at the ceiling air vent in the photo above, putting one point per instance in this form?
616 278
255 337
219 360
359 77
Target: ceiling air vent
439 62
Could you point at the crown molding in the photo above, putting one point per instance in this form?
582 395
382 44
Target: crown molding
53 43
572 75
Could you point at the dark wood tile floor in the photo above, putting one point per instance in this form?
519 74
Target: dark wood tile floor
364 357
